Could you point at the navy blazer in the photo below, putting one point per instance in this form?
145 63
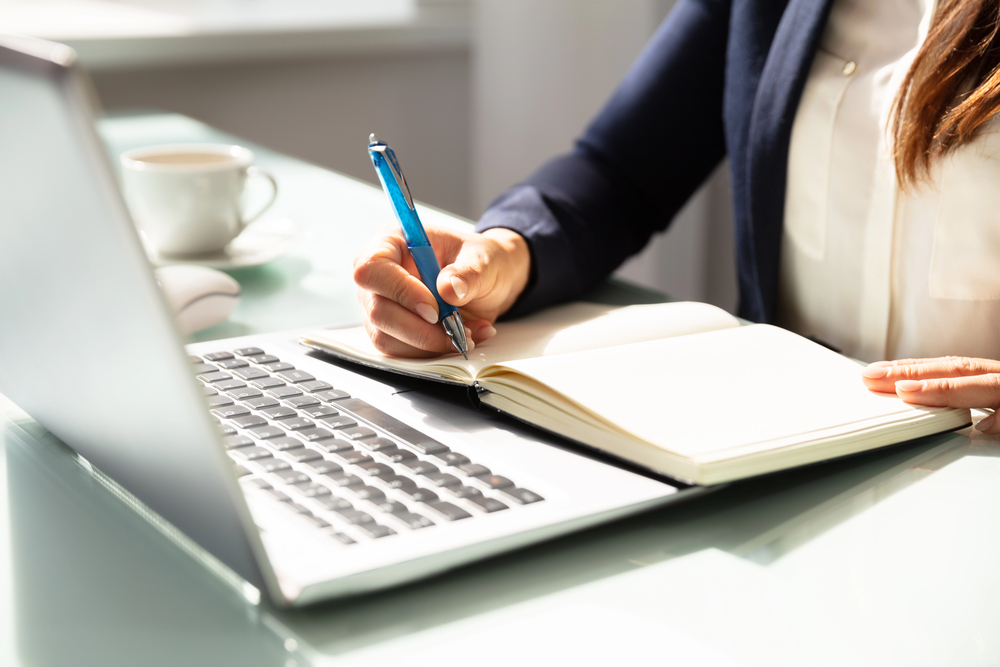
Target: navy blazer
719 77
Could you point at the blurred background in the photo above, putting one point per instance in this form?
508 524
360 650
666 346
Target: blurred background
472 94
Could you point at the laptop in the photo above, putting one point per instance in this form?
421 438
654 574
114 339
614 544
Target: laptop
292 476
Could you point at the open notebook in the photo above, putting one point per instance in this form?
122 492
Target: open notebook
680 388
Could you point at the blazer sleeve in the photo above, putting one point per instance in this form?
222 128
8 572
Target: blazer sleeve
651 146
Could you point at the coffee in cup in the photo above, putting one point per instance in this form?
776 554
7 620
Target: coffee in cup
188 199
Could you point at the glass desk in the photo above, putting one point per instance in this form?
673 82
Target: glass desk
889 558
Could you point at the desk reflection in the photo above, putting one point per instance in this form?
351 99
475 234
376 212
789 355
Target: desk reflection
96 584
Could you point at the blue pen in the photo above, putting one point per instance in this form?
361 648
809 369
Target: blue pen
387 168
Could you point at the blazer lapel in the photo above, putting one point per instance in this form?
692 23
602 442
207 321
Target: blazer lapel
775 102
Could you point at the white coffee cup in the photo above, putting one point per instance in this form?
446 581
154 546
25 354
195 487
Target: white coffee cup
188 199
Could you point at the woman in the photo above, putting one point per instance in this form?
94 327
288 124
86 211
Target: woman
863 170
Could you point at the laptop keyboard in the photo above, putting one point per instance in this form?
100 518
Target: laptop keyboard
353 471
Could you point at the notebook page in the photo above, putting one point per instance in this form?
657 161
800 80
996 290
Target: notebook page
700 396
569 328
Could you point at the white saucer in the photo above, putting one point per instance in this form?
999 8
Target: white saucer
261 242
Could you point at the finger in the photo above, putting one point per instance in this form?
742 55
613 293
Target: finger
980 391
381 270
468 276
391 319
480 329
989 425
393 347
882 375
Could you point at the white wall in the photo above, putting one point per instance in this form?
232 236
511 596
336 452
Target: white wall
540 72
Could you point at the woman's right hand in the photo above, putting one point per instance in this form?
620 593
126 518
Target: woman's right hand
482 274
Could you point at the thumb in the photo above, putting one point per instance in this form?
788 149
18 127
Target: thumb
465 279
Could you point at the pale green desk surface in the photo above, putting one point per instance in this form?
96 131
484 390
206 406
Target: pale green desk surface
892 558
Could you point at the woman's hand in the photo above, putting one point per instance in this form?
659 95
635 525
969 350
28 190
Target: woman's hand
954 382
483 274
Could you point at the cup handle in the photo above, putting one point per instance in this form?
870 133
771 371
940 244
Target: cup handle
255 171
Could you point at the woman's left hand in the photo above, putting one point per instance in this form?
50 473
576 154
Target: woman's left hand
954 382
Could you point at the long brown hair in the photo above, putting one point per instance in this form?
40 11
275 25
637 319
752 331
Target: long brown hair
952 88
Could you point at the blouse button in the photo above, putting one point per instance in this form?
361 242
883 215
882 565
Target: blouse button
849 68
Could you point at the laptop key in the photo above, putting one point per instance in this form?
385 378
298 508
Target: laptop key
339 421
209 390
233 363
421 467
301 455
284 444
227 430
396 455
495 481
267 382
375 530
442 479
452 458
250 373
333 445
284 391
217 356
376 444
301 401
249 421
312 489
522 496
230 411
244 393
296 424
487 504
323 467
219 401
413 520
331 395
411 436
343 539
369 493
315 385
213 375
373 469
272 464
267 432
293 376
464 492
353 456
276 366
314 434
356 432
449 511
316 411
474 469
278 413
333 503
250 453
264 359
260 402
226 385
392 507
194 359
343 479
355 517
290 476
234 441
201 369
316 521
421 495
248 351
397 482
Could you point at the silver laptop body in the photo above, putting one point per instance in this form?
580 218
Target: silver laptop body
89 349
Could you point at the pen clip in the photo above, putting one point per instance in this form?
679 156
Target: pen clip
376 146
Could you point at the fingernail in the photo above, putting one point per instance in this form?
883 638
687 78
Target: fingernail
468 339
461 289
485 332
880 364
427 312
911 385
986 422
874 372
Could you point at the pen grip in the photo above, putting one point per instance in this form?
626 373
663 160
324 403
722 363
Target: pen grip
428 268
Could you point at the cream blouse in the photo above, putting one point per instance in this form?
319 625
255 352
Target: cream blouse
875 271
